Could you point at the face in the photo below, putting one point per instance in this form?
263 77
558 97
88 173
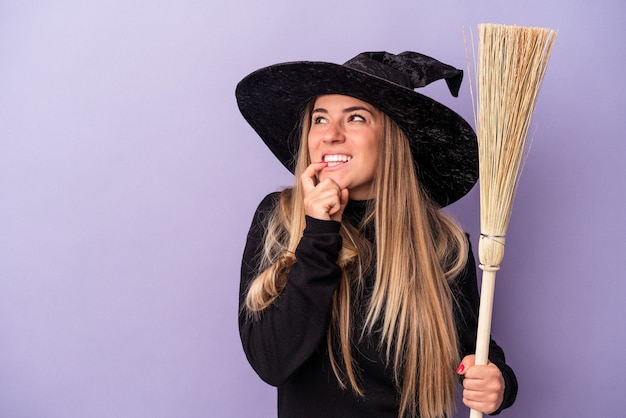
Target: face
346 133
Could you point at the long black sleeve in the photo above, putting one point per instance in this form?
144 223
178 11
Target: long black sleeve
287 333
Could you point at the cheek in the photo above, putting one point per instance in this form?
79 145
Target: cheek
374 153
310 148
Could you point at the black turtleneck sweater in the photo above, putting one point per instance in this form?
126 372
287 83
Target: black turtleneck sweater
286 345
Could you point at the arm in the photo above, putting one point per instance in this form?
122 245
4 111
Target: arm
467 321
288 332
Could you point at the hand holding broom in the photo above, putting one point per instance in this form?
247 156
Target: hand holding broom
512 63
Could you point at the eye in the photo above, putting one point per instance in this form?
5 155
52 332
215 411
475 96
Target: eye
355 117
317 120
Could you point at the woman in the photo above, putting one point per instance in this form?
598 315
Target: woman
358 294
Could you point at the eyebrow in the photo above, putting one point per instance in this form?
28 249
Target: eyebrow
346 110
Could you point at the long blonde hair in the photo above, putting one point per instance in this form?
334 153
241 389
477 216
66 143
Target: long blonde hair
419 252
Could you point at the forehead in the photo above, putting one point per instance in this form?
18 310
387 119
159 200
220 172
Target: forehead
340 101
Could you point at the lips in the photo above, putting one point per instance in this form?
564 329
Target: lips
336 159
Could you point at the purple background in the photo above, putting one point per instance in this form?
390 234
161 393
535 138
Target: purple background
128 179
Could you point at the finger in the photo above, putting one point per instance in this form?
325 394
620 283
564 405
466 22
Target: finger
484 407
484 401
308 177
336 211
483 388
323 200
482 372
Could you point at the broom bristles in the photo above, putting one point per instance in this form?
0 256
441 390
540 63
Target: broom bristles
511 65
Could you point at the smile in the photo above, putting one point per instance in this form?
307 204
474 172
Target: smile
336 159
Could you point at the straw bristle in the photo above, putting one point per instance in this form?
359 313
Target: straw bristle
511 64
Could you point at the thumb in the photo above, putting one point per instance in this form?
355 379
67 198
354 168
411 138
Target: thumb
344 195
343 199
466 363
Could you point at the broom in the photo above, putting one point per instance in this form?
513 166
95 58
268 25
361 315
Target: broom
511 64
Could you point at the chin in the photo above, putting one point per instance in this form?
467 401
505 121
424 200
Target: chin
336 179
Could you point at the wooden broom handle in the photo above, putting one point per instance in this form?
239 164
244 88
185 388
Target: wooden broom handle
483 336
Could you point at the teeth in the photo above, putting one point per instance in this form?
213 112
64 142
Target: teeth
337 158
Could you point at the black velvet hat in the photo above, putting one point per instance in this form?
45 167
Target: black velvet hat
444 145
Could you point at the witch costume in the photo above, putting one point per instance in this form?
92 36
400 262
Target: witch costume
287 343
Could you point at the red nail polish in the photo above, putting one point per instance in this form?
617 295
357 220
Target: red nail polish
460 369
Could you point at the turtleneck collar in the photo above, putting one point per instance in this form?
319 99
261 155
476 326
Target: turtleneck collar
355 211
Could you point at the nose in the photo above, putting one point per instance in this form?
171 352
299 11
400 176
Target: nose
334 133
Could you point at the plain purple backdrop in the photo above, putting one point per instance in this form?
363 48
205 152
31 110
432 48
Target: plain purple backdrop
128 180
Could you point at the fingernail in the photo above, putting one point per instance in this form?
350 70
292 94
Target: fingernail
460 369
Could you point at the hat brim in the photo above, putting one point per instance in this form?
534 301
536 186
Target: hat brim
444 145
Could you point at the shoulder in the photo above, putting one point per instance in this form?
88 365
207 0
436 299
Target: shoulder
258 228
268 203
464 286
266 208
